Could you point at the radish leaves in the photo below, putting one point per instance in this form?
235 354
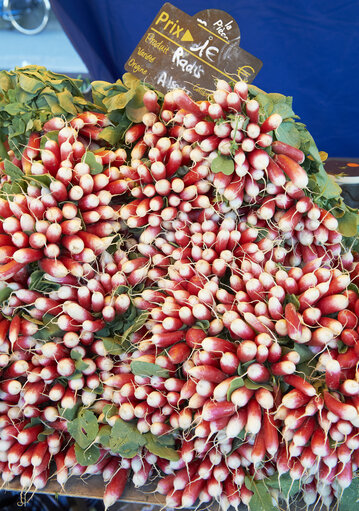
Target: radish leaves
84 428
88 456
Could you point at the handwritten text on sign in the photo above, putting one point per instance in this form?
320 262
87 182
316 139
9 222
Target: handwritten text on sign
181 51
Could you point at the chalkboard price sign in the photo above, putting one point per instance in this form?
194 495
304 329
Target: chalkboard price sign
188 52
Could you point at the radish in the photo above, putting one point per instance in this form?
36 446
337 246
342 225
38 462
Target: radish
333 303
29 435
240 397
300 384
252 110
343 410
212 410
209 373
212 344
294 171
184 101
192 492
292 152
271 123
204 276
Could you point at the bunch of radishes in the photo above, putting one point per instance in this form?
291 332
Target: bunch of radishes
179 307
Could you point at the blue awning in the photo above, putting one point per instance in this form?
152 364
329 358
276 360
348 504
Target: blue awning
309 51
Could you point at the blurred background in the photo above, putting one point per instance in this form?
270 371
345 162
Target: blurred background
309 51
50 47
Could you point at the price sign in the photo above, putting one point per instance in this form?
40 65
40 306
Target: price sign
188 52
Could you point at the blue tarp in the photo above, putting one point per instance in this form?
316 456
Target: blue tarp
309 51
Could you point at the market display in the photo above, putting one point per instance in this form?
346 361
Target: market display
178 296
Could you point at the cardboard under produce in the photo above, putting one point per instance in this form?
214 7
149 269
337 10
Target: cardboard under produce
92 487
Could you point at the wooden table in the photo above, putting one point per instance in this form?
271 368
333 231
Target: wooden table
92 487
349 182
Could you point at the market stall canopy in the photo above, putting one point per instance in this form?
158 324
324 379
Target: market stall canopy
309 51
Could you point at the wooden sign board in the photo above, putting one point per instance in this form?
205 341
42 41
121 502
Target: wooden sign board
189 52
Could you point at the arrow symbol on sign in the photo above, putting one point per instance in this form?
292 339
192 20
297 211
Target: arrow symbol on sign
187 36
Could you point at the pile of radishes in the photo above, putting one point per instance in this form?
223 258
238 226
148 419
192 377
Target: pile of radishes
177 308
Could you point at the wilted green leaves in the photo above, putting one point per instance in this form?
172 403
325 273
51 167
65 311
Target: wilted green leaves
29 96
123 102
141 368
223 164
84 428
95 166
126 440
261 499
